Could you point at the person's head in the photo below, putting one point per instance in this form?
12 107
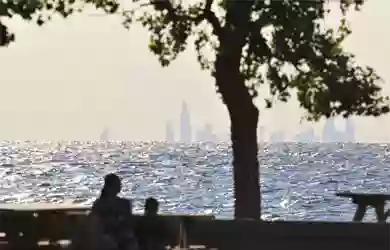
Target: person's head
112 185
151 206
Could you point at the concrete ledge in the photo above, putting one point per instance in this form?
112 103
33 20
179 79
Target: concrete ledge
59 224
236 234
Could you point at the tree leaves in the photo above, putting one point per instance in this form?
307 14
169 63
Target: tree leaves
42 10
5 36
170 27
302 55
285 45
169 32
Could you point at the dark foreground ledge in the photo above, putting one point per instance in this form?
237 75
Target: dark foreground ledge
283 235
24 229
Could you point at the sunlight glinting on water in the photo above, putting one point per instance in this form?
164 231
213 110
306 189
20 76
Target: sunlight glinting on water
298 181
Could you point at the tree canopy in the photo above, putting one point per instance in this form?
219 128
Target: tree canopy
327 79
286 45
41 11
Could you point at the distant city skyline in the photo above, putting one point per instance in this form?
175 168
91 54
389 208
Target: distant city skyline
185 124
187 134
186 131
330 131
105 135
169 132
69 79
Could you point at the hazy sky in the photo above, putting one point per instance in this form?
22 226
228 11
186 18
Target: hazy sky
71 78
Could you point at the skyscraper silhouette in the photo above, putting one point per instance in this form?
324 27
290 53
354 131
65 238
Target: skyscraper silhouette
185 124
169 133
105 135
206 134
305 136
349 130
331 134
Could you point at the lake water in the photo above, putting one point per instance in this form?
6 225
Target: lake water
298 180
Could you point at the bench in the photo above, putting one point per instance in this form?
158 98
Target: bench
49 229
365 200
55 227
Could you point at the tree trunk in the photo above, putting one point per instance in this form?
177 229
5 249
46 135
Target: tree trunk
243 117
243 113
244 120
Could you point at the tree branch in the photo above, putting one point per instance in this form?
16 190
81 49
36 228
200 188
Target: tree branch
210 16
205 14
161 5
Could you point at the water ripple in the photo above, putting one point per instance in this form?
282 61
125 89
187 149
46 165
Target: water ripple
298 180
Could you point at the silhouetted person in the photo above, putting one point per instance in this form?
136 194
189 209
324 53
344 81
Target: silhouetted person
151 231
151 207
115 215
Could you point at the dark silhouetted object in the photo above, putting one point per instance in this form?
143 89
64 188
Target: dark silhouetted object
151 230
115 215
151 206
364 200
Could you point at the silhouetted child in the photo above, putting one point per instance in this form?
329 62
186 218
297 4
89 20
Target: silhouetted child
151 206
151 230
